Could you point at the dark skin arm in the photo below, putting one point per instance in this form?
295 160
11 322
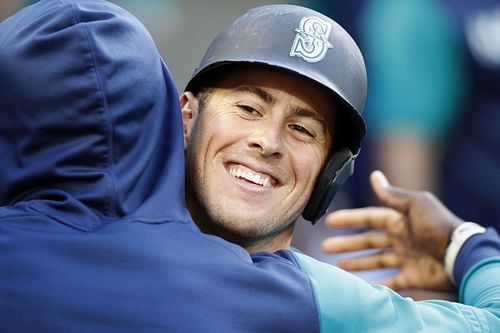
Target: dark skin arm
412 233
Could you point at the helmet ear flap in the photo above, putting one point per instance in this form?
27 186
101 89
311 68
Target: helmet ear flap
338 169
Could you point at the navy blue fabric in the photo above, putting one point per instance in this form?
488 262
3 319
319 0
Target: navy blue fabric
475 249
94 236
84 118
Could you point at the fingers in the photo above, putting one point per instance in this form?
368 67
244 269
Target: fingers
357 242
397 282
391 196
371 217
380 260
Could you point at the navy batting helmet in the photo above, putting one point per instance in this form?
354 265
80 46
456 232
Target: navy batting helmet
312 45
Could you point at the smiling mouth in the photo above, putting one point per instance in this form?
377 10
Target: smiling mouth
253 177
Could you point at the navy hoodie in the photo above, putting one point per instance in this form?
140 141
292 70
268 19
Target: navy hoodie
94 236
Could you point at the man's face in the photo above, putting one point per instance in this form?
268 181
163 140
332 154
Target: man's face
255 146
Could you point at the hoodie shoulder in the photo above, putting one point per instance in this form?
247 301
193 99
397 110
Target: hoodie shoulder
88 123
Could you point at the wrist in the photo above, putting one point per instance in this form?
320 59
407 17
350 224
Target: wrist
459 236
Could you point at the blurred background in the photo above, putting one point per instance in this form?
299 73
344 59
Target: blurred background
433 108
182 29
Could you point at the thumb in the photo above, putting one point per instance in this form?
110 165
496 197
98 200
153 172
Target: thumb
391 196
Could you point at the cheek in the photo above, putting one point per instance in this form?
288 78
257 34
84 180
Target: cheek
225 132
307 166
211 137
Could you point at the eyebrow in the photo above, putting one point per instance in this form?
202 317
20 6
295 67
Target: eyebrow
268 98
301 112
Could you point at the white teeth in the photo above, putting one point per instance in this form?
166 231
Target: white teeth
262 180
256 179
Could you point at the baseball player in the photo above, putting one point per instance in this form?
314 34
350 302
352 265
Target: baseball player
94 235
267 112
304 156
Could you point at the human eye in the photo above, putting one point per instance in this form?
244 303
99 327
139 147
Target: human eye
248 110
301 130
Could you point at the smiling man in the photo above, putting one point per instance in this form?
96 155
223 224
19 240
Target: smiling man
253 183
272 124
94 235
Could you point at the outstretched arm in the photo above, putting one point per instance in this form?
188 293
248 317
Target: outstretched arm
415 233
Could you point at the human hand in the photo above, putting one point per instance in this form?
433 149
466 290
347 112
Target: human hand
412 233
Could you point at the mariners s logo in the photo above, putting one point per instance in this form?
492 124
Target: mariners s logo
311 41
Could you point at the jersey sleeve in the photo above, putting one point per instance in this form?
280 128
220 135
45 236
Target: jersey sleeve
476 248
348 304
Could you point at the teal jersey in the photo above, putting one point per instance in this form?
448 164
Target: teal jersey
341 297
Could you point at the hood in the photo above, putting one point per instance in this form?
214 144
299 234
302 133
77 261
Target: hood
89 117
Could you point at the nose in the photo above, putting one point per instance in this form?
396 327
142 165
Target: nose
268 138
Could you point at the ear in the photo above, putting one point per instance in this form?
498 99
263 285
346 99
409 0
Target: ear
189 110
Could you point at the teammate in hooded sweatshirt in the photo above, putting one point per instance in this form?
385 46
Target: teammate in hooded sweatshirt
93 229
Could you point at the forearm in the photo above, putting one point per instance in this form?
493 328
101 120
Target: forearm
349 304
477 270
477 248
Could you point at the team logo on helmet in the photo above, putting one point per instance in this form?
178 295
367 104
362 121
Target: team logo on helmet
311 41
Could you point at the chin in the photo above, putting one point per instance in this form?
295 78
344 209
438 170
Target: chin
250 228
